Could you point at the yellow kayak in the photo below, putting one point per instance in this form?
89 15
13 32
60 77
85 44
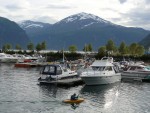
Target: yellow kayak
79 100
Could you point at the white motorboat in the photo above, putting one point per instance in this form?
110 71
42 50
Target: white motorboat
136 72
6 58
28 58
55 72
101 72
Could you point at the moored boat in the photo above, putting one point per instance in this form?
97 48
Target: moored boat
101 72
53 73
6 58
136 72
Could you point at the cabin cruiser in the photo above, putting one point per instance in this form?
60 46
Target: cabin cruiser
55 72
6 58
28 58
136 72
101 72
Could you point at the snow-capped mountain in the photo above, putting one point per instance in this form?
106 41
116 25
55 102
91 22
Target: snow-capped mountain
81 29
36 31
80 21
84 16
31 24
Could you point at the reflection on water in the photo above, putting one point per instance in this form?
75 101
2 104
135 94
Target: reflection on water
49 90
74 106
21 93
99 88
101 96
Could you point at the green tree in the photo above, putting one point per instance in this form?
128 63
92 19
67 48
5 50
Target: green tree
38 47
6 47
43 45
132 48
30 46
110 46
72 48
123 48
18 47
90 48
102 51
140 50
85 48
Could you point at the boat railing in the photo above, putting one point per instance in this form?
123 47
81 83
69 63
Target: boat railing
107 59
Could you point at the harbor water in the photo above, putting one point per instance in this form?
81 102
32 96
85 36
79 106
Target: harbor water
20 92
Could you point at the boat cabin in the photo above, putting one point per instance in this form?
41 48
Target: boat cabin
101 65
137 68
53 70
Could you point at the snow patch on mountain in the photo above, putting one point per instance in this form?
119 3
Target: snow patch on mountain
87 25
70 19
84 16
30 24
34 25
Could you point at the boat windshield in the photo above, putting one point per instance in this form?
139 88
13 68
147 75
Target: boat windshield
98 68
108 68
147 68
49 70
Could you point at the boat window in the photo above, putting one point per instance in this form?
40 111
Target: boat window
139 67
101 68
65 70
109 68
147 68
49 69
46 69
116 69
52 69
132 68
59 71
95 68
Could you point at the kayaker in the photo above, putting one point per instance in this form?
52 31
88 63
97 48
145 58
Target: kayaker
74 97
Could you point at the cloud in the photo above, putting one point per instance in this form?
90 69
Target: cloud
54 6
45 19
147 1
122 1
136 17
122 12
13 7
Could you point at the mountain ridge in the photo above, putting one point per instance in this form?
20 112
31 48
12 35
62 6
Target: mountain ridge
83 28
11 33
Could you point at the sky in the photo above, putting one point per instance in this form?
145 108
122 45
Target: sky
130 13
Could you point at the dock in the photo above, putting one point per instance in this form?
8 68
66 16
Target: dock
65 82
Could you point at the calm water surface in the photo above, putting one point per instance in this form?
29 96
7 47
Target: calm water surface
21 93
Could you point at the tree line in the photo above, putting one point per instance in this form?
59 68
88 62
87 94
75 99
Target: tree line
30 46
133 49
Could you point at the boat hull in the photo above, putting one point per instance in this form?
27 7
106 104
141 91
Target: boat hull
98 80
8 60
142 76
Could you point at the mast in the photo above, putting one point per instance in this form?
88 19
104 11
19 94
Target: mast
63 56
